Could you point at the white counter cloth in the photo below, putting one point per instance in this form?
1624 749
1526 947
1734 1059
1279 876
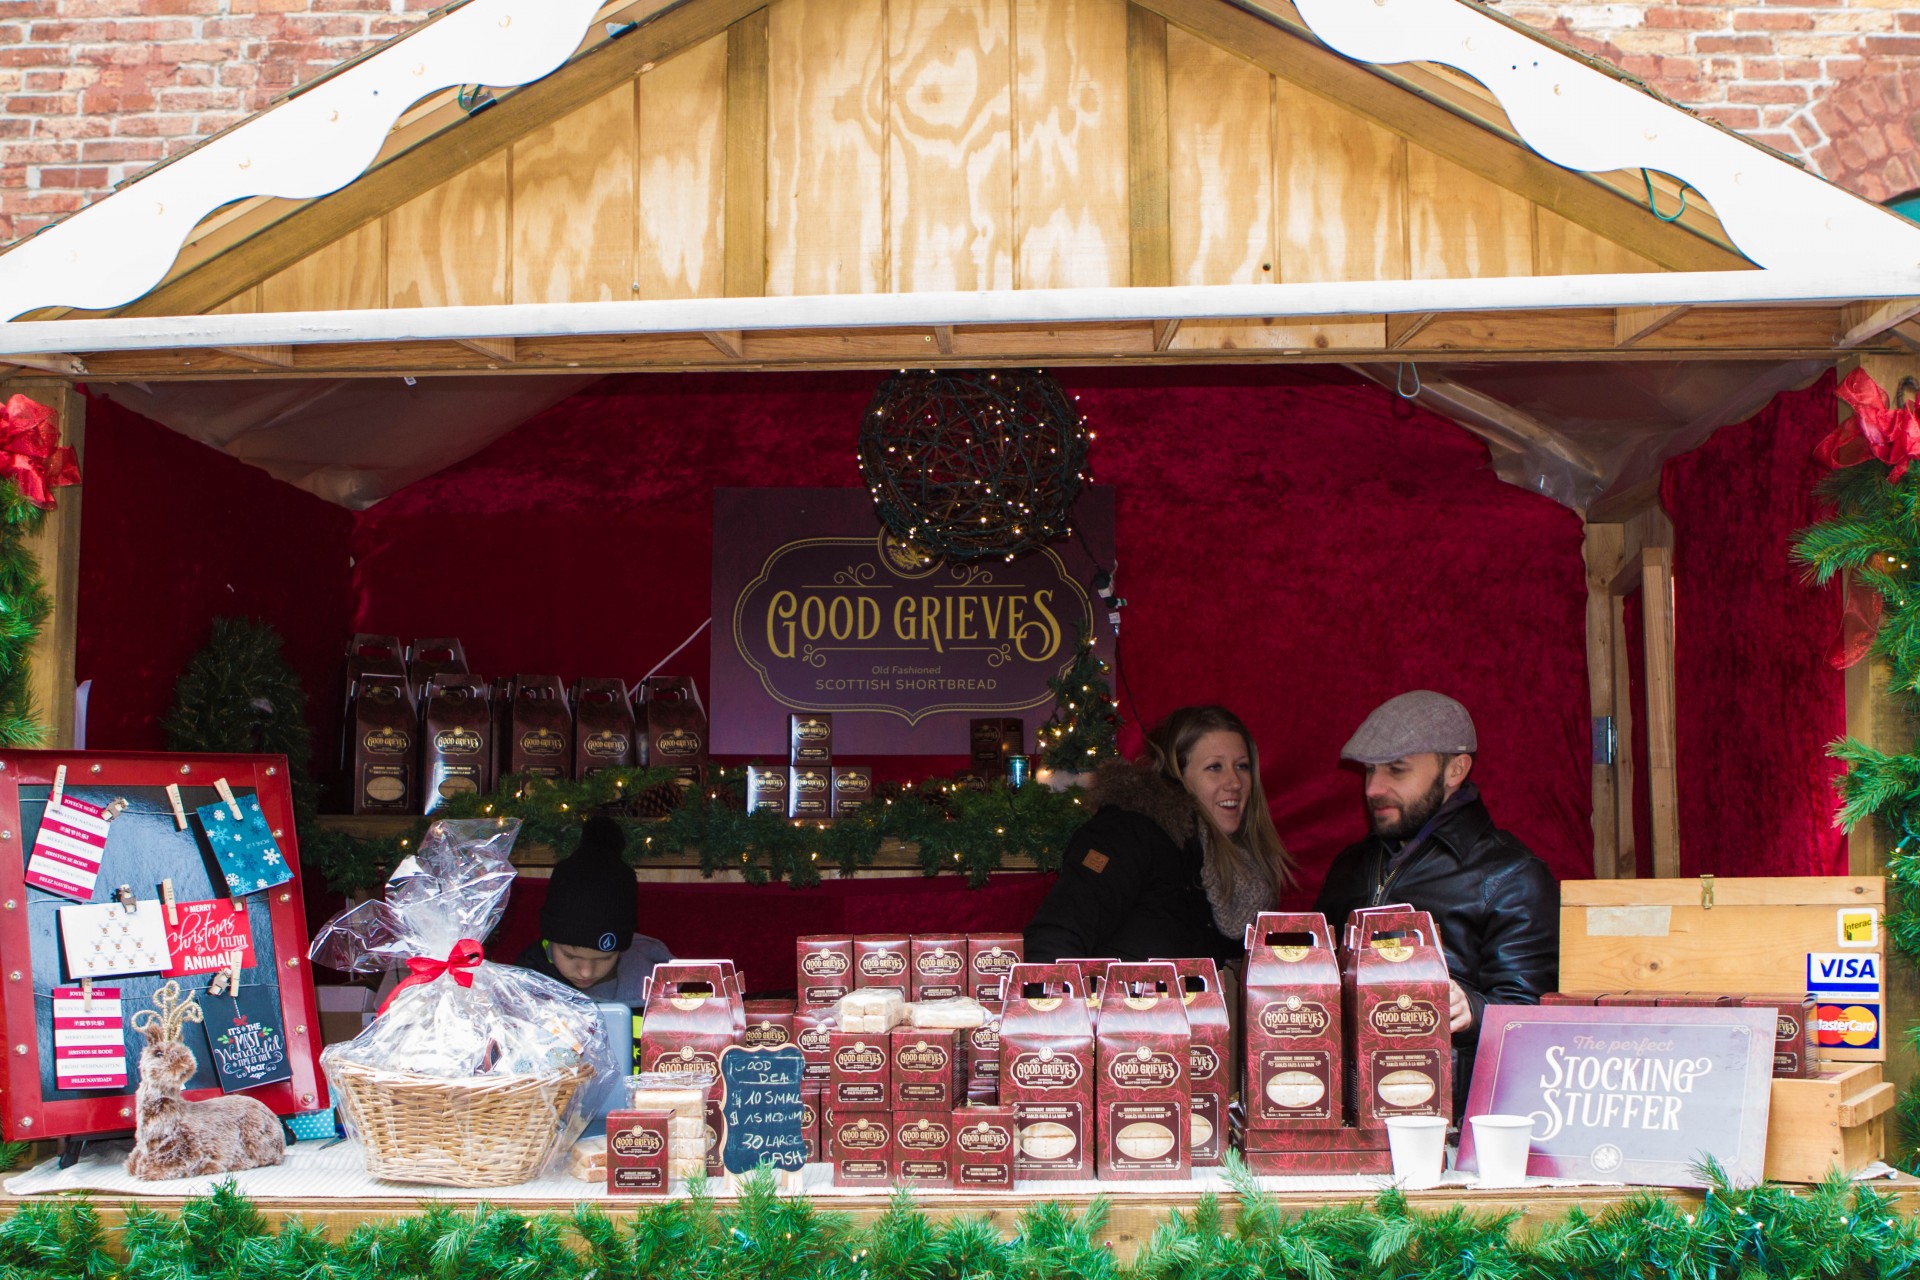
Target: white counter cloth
316 1170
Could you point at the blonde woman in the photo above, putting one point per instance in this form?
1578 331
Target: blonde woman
1179 856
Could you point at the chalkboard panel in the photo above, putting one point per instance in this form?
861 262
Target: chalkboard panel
761 1107
144 847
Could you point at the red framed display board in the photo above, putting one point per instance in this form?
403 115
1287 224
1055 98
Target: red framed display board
144 847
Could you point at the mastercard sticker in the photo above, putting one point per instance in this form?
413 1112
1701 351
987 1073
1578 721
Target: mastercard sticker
1848 1026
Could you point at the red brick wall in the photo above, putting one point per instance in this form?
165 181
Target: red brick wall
93 91
1833 83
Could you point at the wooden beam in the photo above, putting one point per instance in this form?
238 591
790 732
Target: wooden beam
728 341
744 238
1663 790
943 338
62 365
55 546
1401 329
1148 156
1631 324
1163 333
501 349
1601 549
280 233
1863 321
1619 505
280 357
1416 103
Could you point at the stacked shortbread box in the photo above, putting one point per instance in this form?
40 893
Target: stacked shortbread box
901 1033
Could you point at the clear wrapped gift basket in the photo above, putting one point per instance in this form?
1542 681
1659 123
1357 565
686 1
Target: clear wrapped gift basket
473 1074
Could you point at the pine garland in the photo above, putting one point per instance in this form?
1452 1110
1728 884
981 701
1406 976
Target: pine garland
24 606
957 828
1838 1230
1873 534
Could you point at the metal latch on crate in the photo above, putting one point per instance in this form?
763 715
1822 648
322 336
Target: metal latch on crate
1706 893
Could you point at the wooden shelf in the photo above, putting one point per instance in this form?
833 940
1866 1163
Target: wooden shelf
894 858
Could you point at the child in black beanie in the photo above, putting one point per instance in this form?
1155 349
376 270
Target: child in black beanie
587 923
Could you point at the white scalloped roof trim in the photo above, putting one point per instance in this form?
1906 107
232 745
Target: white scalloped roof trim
1583 119
116 250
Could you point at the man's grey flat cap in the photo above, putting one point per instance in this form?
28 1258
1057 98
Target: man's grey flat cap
1410 724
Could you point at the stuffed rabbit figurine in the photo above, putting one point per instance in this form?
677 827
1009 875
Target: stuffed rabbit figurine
174 1138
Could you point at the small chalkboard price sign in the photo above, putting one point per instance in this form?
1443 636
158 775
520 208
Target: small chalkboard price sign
761 1108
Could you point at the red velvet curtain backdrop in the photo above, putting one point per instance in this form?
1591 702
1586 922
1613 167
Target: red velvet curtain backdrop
1297 546
1758 703
174 534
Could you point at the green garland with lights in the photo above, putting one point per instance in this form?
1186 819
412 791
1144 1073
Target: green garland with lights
1839 1231
959 827
1873 535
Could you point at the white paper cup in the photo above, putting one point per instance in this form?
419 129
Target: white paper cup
1500 1145
1419 1147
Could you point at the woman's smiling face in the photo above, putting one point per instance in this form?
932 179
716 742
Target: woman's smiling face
1219 772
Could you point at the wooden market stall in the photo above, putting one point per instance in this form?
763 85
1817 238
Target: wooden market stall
1413 194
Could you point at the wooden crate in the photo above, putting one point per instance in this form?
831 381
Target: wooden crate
1737 936
1836 1118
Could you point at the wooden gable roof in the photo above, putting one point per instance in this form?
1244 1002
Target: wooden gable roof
732 149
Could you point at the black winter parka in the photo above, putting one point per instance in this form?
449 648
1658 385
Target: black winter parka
1130 883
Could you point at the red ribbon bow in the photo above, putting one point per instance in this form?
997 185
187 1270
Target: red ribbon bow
459 964
34 459
1876 429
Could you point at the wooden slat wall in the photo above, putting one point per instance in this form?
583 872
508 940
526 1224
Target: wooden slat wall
683 175
912 145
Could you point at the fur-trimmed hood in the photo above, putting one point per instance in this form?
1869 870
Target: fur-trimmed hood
1144 789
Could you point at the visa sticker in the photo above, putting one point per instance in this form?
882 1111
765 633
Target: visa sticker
1858 927
1836 971
1847 1026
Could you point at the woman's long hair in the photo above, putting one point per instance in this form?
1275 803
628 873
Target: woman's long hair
1170 746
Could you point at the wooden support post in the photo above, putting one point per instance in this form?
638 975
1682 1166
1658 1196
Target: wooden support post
1150 239
1884 721
57 548
1663 788
1602 551
744 249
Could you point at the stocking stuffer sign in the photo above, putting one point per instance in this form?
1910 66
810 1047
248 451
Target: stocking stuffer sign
1626 1094
817 608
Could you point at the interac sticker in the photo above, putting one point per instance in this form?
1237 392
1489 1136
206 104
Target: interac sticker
1858 927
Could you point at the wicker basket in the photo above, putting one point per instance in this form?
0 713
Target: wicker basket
482 1131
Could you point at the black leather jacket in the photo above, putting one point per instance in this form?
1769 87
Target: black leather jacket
1496 905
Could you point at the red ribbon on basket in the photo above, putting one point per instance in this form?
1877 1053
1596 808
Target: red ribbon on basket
459 965
34 459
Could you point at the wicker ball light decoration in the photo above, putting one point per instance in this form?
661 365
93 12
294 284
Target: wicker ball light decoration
966 463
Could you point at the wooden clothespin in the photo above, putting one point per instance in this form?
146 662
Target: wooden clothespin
218 985
86 995
233 977
226 793
115 807
124 896
59 786
179 808
166 896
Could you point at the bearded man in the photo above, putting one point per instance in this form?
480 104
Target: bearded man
1434 847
